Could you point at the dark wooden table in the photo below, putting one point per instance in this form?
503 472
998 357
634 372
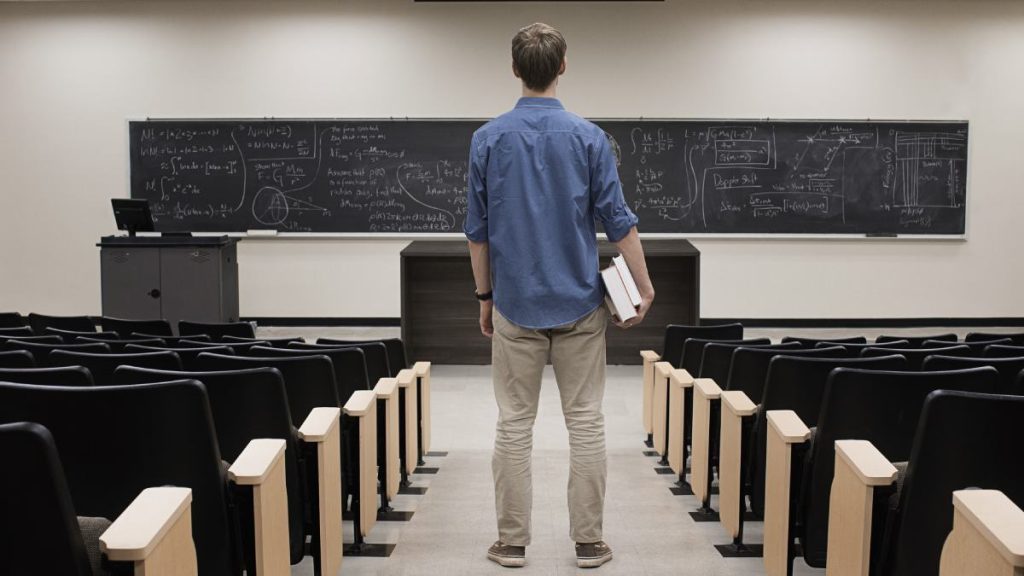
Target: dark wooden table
440 317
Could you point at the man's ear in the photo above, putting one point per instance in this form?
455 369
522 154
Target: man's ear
515 70
562 69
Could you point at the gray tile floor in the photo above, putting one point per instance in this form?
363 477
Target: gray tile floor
454 522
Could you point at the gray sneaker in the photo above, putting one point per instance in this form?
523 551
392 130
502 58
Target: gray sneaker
508 556
592 555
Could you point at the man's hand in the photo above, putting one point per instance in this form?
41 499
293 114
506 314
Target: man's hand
641 311
487 318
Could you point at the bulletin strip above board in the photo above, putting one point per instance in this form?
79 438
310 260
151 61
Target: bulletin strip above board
395 177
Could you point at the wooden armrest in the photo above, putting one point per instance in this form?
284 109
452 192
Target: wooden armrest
866 461
360 402
154 532
421 369
386 387
256 461
650 355
318 424
788 425
406 378
663 369
736 401
261 465
681 377
996 519
707 387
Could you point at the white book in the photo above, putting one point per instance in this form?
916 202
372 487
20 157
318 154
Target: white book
616 296
627 279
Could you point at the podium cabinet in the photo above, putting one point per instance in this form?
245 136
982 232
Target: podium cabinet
174 278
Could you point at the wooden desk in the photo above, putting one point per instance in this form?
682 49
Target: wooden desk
440 317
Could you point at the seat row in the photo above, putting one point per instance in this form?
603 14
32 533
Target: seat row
14 324
282 488
768 417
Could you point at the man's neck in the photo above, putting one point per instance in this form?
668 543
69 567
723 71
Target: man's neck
548 92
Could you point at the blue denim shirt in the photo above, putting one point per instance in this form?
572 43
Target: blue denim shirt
538 178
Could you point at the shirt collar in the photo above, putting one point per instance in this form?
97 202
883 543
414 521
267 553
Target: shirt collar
532 102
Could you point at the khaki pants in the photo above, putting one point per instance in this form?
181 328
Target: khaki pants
577 352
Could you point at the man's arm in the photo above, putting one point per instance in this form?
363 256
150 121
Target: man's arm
480 256
633 252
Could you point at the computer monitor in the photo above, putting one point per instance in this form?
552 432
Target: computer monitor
132 215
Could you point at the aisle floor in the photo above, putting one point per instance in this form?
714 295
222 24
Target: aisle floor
648 528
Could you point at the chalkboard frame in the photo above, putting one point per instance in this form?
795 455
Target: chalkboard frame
441 236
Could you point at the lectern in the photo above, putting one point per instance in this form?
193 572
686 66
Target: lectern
174 278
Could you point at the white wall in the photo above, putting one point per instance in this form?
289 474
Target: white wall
72 73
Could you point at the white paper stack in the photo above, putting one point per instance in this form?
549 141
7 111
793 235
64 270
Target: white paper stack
621 293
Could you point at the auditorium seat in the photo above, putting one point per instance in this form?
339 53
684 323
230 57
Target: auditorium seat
812 342
17 359
115 441
41 351
918 341
394 347
252 403
977 347
915 356
118 345
16 331
127 327
881 407
69 336
173 340
217 330
102 366
236 347
362 407
51 339
59 376
12 320
188 356
1002 351
40 322
1016 337
275 342
43 534
853 350
951 458
1009 368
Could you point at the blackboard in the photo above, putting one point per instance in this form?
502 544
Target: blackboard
679 176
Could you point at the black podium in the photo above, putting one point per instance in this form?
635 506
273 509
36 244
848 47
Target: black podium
174 278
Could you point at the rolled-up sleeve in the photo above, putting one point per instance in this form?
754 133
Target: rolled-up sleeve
606 192
476 201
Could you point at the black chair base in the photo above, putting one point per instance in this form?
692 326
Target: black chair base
663 470
413 490
649 442
436 454
394 516
704 515
739 550
425 470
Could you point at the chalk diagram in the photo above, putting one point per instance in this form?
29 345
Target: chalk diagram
929 170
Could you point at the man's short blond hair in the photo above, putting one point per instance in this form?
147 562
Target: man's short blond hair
538 51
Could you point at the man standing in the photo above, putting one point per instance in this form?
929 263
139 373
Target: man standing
539 176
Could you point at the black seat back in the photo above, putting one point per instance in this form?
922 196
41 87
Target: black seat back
812 342
216 330
236 347
69 336
349 366
37 518
881 407
16 359
915 356
308 380
273 342
12 320
397 360
853 350
978 346
102 366
174 340
692 359
115 441
62 376
1016 337
126 327
749 367
118 346
51 339
1002 351
676 336
797 383
188 356
375 356
40 322
717 358
41 352
918 341
1009 368
961 443
16 331
246 404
